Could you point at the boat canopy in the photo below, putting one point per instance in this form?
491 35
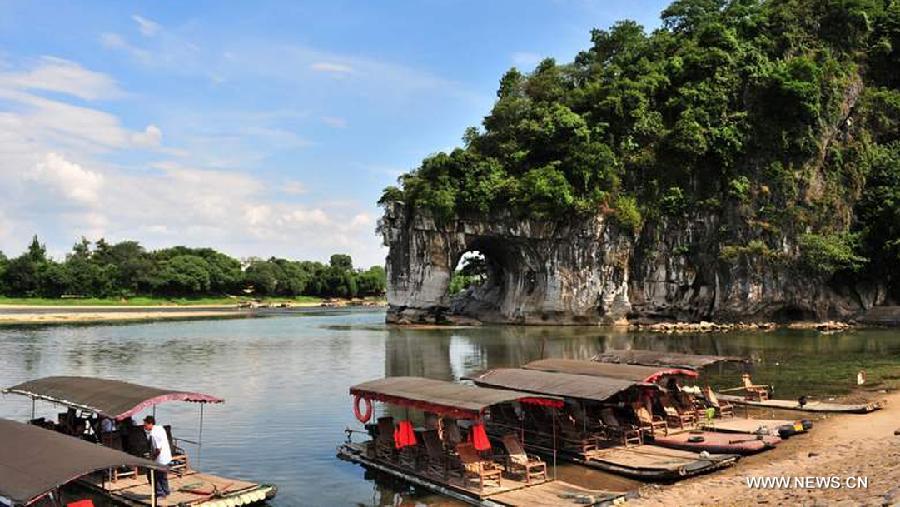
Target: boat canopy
566 385
656 358
442 397
35 461
110 398
635 373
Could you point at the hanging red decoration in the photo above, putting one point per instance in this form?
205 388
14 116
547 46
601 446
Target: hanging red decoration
404 434
479 438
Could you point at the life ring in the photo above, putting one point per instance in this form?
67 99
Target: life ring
362 417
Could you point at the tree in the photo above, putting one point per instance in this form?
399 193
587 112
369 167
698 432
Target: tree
341 261
25 274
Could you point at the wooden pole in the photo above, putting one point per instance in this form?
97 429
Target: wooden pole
32 409
153 488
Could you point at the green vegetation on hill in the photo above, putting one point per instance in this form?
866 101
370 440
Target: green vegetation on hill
203 275
782 115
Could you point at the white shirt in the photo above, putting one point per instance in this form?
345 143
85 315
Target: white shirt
159 440
107 426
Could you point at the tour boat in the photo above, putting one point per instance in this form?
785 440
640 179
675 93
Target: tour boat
720 443
36 464
438 456
596 427
89 400
808 406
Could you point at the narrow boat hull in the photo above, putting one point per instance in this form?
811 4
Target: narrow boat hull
718 443
812 406
735 425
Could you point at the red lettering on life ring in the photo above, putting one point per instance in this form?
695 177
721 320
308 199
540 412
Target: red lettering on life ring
362 417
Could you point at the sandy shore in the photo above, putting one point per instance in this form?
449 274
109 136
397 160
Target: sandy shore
841 446
87 317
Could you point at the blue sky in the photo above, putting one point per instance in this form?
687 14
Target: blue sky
257 128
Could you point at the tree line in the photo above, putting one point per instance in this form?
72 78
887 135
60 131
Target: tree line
102 269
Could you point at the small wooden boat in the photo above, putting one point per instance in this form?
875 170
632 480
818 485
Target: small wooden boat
809 406
782 427
441 460
90 399
718 443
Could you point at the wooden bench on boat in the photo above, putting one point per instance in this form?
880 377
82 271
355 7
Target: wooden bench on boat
465 471
96 399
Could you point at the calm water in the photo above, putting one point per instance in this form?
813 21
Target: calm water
285 379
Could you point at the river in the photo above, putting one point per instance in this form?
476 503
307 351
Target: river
285 379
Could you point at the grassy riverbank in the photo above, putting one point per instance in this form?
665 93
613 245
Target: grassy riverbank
156 301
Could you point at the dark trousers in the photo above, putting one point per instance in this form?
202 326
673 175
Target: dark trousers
162 482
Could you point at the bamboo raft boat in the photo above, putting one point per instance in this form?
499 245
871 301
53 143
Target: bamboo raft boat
585 442
89 399
439 459
809 406
719 443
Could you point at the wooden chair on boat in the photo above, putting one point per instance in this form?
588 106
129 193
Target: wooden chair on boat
618 432
756 392
722 408
675 417
475 467
180 462
436 459
452 435
649 422
384 441
576 436
520 463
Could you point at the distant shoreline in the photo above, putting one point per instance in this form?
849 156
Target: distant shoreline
13 315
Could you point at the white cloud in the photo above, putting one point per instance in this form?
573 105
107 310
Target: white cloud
334 121
331 67
293 187
117 42
67 179
63 76
150 137
526 59
147 27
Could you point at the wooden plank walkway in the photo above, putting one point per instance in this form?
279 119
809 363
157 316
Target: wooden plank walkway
555 493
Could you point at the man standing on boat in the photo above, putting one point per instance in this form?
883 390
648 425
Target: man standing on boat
159 452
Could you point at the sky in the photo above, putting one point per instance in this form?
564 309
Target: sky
265 128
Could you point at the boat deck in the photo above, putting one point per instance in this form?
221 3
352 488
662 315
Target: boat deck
192 488
512 492
652 462
811 406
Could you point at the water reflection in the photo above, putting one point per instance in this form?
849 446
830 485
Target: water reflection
285 379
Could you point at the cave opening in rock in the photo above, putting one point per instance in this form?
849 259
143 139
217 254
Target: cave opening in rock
470 271
478 282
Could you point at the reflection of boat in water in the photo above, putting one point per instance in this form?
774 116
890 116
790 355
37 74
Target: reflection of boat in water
36 464
598 426
101 410
439 457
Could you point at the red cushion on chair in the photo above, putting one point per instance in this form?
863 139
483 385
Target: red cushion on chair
81 503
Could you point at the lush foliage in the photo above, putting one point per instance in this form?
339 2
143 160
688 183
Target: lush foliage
779 114
126 269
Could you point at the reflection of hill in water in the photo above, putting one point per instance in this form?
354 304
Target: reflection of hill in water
793 359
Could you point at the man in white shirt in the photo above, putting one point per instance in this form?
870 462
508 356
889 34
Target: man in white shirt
160 452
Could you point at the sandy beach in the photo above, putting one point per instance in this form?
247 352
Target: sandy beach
83 316
840 446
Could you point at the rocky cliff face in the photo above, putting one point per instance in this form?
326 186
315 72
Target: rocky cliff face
590 272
